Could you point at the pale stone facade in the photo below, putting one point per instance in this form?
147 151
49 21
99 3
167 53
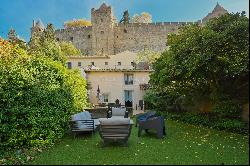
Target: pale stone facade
107 37
112 86
122 60
109 74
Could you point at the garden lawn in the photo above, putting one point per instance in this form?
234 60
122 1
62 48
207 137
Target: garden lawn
184 144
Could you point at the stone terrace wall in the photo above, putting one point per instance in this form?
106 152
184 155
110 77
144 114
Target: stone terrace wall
80 37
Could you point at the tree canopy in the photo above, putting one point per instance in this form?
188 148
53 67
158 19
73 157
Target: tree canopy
143 18
148 56
69 49
45 44
210 61
77 23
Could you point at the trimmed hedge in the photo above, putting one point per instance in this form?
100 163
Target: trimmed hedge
210 120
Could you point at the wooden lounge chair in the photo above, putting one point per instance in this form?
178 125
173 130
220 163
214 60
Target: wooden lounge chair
115 130
154 123
144 116
83 122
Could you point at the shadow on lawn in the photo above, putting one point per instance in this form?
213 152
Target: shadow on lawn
84 135
151 134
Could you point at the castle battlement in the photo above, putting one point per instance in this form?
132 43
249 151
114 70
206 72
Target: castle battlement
107 37
156 23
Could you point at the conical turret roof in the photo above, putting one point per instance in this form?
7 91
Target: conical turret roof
103 5
39 24
218 7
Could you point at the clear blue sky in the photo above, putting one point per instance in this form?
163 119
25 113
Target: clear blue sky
19 14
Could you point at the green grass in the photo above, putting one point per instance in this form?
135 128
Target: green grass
184 144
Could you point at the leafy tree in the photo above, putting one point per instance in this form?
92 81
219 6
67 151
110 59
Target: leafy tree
69 49
143 18
46 45
49 33
148 56
77 23
209 62
14 39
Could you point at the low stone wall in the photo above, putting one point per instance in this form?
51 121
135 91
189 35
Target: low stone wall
102 112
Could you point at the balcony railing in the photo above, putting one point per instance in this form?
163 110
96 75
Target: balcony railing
129 82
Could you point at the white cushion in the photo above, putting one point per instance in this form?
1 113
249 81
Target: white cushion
117 117
118 111
76 117
85 115
82 115
123 109
114 121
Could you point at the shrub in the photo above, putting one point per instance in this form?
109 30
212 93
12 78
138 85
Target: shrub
209 120
227 108
37 97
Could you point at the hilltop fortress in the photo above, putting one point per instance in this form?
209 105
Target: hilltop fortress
107 37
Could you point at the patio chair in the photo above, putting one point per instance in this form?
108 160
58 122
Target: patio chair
156 123
115 130
83 122
144 116
117 111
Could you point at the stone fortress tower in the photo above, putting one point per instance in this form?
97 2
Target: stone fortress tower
103 23
108 37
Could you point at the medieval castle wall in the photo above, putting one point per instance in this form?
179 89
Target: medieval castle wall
80 37
136 37
106 37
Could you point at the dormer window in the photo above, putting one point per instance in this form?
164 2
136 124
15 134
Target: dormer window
125 31
89 36
71 38
119 63
101 20
102 32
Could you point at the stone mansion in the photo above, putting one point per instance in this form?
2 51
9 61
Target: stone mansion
110 49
